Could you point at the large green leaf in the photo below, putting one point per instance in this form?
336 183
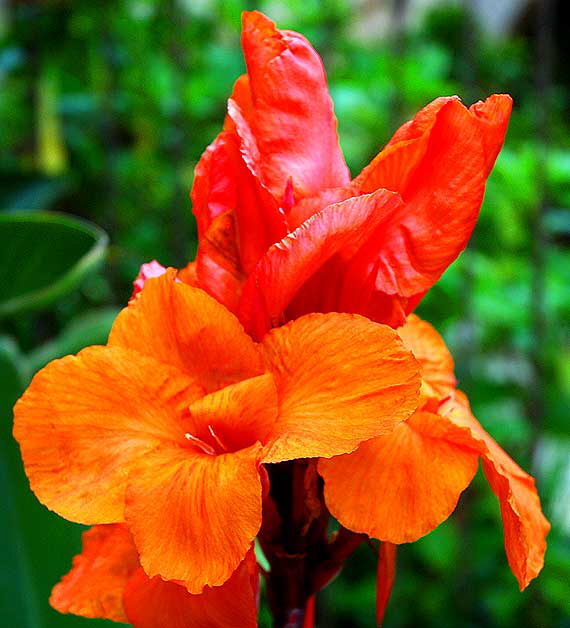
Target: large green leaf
17 598
36 546
44 256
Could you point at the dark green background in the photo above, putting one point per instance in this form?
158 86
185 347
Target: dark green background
105 108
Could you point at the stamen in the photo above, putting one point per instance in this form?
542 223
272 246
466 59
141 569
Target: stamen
217 439
207 449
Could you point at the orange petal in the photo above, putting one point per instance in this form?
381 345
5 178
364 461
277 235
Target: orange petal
147 271
431 352
188 274
386 573
193 516
401 486
85 418
94 586
154 603
183 326
525 527
292 120
439 165
338 229
327 406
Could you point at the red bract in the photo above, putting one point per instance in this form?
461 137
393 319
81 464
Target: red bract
282 229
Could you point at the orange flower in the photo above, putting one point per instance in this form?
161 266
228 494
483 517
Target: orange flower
166 427
107 582
400 486
282 229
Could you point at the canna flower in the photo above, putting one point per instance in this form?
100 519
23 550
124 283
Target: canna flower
283 230
167 428
107 582
400 486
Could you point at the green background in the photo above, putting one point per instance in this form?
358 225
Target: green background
105 108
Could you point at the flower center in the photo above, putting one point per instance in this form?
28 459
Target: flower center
216 447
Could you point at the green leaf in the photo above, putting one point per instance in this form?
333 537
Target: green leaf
43 256
17 594
36 546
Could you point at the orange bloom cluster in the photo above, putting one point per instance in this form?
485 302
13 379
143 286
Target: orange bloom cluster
167 428
281 376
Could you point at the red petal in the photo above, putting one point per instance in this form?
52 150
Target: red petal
154 603
225 183
338 229
215 181
307 207
493 115
394 165
438 163
218 266
292 119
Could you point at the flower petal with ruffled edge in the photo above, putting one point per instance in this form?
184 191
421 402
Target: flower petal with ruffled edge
401 486
525 527
84 419
224 184
94 586
154 603
115 434
193 516
338 230
107 582
292 119
183 326
341 379
439 165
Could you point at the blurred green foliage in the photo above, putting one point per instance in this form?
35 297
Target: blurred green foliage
105 109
